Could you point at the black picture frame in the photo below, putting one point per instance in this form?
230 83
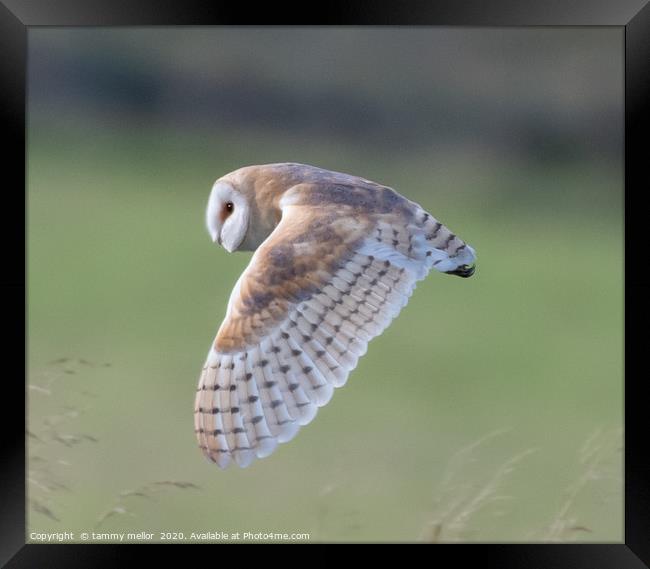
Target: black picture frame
17 16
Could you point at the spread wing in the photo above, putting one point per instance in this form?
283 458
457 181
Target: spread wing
333 274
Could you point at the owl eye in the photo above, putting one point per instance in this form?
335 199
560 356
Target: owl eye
229 207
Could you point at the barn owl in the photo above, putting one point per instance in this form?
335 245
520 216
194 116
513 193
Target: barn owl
336 257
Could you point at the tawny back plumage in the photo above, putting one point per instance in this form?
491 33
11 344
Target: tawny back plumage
339 259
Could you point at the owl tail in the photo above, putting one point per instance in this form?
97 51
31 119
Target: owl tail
445 251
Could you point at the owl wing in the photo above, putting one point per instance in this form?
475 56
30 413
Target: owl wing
329 278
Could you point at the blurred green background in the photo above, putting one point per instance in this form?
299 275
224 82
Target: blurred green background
490 410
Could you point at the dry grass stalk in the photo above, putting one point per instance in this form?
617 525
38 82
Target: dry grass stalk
459 502
148 491
46 436
592 457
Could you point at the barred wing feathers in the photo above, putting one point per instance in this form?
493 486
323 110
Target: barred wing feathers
333 274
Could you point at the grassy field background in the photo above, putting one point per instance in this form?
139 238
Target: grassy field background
123 276
490 410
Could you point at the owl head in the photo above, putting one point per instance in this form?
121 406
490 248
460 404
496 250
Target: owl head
227 215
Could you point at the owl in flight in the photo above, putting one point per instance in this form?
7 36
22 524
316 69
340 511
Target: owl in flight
336 258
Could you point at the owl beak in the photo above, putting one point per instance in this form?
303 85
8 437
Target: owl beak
464 271
216 237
